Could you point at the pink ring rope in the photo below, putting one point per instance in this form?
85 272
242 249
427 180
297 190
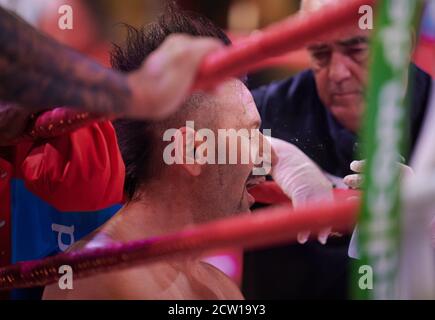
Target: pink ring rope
265 227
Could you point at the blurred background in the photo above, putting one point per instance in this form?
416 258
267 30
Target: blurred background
97 24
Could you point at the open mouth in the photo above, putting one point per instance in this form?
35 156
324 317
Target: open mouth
251 182
254 181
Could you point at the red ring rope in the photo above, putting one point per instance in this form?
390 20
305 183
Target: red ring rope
265 227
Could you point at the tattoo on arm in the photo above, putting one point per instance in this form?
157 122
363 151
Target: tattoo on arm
37 72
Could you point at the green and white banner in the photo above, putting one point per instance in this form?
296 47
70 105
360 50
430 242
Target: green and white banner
383 140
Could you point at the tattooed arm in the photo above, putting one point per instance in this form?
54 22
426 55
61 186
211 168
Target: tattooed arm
37 72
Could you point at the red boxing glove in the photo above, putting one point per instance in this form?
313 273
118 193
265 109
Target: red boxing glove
79 171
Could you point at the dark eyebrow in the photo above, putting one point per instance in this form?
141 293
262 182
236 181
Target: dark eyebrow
352 41
343 43
318 46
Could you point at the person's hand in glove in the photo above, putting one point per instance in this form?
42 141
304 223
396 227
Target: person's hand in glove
300 179
355 181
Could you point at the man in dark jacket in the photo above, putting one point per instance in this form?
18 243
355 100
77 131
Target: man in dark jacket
319 110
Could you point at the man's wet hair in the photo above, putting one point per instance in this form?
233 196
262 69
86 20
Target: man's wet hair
137 139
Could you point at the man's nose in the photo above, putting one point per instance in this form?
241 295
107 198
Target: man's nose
338 69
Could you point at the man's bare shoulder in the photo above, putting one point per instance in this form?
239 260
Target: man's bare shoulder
219 279
131 283
179 279
136 283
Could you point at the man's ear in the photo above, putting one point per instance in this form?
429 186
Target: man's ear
188 146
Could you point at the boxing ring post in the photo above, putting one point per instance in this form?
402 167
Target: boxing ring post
383 140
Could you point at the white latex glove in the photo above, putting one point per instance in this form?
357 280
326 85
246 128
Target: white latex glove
355 181
300 179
